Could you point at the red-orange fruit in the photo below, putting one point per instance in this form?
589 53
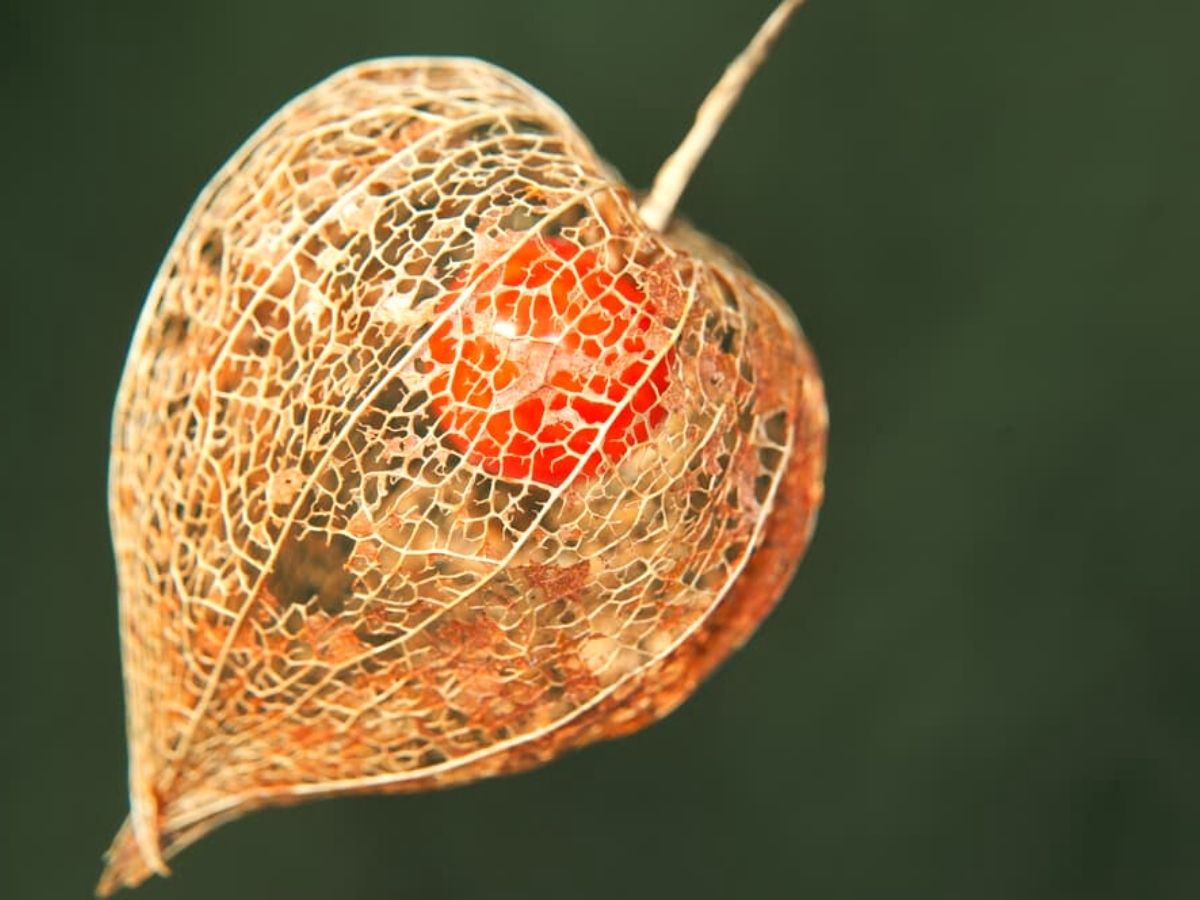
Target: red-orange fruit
512 385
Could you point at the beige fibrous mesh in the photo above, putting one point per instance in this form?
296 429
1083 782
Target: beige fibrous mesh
431 460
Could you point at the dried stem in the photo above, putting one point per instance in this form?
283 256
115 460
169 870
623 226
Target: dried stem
675 173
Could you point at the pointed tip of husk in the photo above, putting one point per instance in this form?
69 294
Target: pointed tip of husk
124 863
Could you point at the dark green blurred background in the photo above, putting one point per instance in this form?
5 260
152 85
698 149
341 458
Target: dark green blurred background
983 682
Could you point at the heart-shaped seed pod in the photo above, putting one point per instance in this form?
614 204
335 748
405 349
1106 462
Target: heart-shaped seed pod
433 459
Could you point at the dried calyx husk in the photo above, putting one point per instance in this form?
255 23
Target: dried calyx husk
431 460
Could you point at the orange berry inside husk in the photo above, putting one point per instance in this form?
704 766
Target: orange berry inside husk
544 367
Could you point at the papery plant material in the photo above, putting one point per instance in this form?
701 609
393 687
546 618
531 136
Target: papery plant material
432 459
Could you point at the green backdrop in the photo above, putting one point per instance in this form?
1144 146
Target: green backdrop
983 682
